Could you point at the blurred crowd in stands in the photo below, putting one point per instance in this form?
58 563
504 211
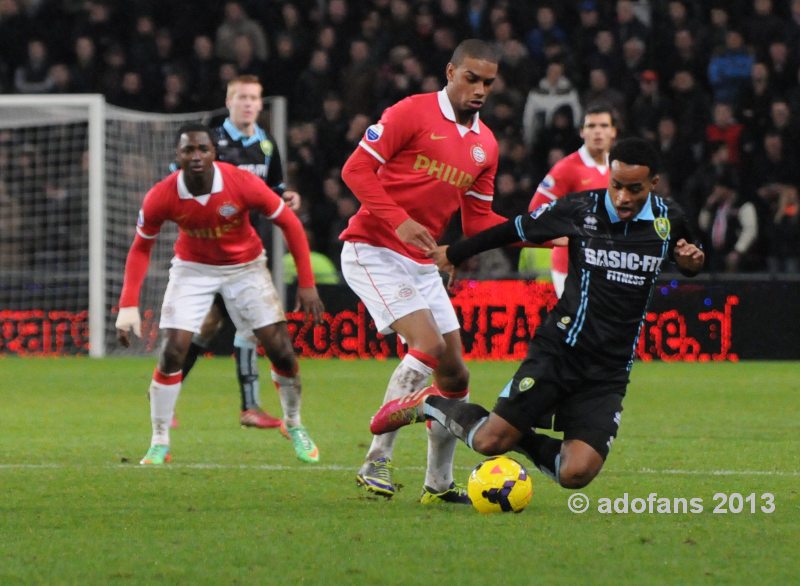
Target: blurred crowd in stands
714 84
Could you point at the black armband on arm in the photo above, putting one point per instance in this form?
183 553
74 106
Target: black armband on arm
495 237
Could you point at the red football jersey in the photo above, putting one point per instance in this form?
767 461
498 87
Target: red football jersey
215 228
575 172
429 167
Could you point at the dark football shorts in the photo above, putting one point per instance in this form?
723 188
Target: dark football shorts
549 392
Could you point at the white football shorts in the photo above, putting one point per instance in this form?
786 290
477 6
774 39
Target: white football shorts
392 286
247 290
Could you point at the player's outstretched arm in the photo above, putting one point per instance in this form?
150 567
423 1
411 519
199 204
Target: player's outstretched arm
688 257
136 264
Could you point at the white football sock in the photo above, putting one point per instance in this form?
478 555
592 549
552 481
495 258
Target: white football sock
163 397
409 376
441 449
289 391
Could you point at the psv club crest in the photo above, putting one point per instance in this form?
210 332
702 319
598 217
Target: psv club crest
661 226
227 210
478 154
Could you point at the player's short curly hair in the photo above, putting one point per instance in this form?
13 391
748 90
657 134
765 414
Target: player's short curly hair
636 151
476 49
193 127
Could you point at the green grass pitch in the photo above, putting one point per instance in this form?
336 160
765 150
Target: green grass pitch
236 507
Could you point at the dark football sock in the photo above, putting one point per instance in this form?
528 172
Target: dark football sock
247 374
459 418
543 450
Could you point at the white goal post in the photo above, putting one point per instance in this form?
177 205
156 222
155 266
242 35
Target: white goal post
73 172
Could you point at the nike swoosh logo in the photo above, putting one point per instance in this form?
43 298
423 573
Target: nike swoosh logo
585 181
435 136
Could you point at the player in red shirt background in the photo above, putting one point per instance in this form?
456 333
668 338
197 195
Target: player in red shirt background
428 156
586 168
217 251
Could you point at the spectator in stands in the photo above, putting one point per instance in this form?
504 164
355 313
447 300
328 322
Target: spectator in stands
601 92
774 168
724 127
684 55
700 184
793 24
15 32
634 60
583 37
203 69
357 79
316 81
690 107
605 56
729 70
649 106
719 25
629 25
754 103
176 99
236 22
784 233
664 31
142 50
546 30
61 82
677 161
554 89
102 23
559 134
783 121
113 69
245 58
85 68
731 227
782 66
762 27
32 76
131 94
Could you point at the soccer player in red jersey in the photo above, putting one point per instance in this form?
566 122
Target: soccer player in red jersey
217 251
586 168
242 142
428 156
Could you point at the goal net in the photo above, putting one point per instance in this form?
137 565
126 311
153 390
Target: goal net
73 173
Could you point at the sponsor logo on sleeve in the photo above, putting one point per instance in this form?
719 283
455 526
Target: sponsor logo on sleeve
548 182
526 383
140 219
374 132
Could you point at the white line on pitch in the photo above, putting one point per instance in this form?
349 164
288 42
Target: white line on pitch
343 467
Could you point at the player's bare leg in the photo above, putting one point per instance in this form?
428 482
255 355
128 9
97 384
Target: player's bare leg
425 346
572 463
164 390
285 374
212 324
451 379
